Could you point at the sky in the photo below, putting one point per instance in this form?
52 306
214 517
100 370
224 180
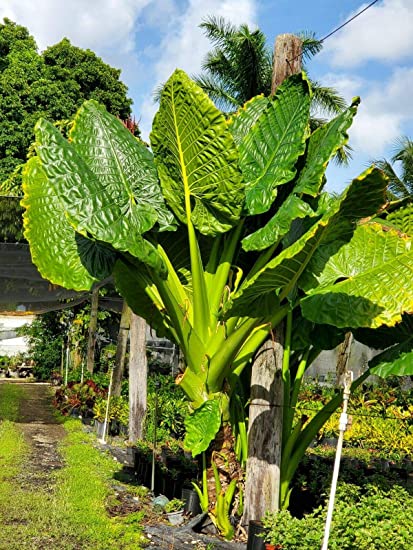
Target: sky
372 57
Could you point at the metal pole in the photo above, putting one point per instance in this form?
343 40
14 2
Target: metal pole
105 423
348 379
155 421
67 362
81 373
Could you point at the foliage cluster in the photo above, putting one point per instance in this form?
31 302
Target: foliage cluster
172 408
368 518
53 83
45 338
118 409
77 396
381 417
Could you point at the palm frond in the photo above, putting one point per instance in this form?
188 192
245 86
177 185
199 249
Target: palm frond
218 94
311 44
327 99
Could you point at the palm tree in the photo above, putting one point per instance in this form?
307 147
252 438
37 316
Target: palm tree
400 183
240 67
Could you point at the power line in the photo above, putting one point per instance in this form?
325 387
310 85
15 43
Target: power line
339 28
348 21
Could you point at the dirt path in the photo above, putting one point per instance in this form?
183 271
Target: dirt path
42 432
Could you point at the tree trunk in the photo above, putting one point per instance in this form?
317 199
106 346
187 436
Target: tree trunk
137 377
262 488
93 324
121 347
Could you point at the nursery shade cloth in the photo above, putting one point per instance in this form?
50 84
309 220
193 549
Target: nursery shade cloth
23 291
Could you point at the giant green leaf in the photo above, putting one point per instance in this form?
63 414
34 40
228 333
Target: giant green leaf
88 203
385 337
300 263
270 150
202 426
395 361
122 164
196 157
322 145
367 283
279 225
241 122
52 239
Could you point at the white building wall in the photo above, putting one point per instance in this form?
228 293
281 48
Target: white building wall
10 343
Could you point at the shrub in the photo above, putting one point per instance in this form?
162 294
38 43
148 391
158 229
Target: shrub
368 518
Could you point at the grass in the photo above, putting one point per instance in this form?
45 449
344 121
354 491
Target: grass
10 397
66 510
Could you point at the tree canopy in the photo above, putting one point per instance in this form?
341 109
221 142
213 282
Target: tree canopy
53 83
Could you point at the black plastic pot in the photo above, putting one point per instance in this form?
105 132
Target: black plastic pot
191 499
255 542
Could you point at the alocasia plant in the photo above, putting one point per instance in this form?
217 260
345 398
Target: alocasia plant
218 233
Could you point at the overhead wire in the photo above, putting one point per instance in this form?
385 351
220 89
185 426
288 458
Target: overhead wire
338 28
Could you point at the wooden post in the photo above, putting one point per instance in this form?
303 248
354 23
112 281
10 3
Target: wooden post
262 488
288 50
121 347
93 324
137 377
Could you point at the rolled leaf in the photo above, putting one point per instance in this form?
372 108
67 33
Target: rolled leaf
202 426
196 157
52 239
123 165
270 150
88 203
322 146
371 281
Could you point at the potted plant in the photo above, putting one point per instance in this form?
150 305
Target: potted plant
175 511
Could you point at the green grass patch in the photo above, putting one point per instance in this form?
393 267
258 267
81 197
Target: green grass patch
64 509
10 397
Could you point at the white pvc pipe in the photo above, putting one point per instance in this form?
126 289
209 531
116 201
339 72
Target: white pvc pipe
342 427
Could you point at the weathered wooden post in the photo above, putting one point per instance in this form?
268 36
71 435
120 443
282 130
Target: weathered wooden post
262 488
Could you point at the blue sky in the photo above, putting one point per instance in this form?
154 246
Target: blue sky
372 57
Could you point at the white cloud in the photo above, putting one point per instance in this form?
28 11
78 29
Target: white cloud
95 24
383 33
184 44
385 110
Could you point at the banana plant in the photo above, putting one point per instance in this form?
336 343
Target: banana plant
216 233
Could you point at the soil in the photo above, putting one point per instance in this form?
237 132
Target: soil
42 432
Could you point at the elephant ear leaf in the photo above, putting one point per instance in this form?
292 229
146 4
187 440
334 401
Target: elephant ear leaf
88 202
53 243
123 164
196 157
279 225
202 426
242 121
269 151
322 145
395 361
301 263
367 283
